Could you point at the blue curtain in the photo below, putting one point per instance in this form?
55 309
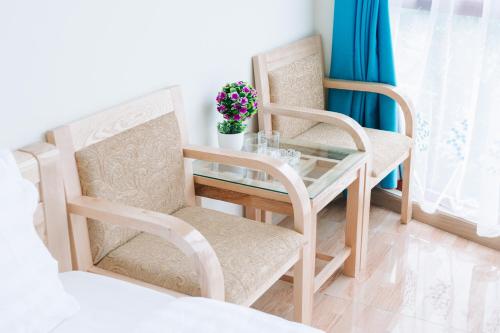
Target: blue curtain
362 51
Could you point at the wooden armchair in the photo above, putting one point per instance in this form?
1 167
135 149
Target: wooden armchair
291 84
130 193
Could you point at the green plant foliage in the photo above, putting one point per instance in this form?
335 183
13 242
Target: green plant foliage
231 127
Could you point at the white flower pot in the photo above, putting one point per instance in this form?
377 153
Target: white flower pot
231 141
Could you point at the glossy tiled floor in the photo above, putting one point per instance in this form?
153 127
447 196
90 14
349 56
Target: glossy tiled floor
418 279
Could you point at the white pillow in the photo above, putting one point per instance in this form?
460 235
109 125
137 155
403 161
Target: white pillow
32 299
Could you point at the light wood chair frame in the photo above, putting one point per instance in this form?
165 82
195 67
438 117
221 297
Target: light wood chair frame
39 164
73 137
266 62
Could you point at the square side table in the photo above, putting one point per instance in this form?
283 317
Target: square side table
326 171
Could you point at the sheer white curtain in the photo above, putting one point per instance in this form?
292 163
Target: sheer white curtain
448 59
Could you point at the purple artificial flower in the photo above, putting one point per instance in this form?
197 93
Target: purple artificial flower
220 96
237 101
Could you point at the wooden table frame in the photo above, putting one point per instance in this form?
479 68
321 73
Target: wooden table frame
258 202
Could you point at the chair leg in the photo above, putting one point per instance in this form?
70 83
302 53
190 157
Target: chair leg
406 204
354 225
303 287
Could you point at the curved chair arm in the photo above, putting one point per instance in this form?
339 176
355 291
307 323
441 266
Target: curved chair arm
348 124
379 88
189 240
278 169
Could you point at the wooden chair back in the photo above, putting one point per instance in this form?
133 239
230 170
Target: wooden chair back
85 145
291 75
39 163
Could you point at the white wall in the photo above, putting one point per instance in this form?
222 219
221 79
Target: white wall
62 60
323 24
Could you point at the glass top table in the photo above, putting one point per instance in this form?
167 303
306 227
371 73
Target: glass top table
319 167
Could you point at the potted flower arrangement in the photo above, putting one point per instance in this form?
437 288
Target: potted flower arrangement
236 102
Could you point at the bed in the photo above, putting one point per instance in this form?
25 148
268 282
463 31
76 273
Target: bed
110 305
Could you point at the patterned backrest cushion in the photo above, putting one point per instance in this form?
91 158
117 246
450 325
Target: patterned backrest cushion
297 84
141 167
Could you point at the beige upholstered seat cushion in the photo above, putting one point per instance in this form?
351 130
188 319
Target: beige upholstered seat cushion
297 84
141 167
249 253
387 146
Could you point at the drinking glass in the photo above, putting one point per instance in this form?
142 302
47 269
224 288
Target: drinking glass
255 144
294 157
258 145
272 138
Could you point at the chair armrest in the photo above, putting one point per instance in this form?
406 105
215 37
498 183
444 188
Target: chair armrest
348 124
278 169
379 88
189 240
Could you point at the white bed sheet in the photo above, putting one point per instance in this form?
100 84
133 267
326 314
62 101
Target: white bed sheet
110 305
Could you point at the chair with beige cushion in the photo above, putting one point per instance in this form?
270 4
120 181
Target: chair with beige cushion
291 84
76 301
128 171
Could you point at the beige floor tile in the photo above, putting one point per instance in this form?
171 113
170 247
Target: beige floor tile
363 318
418 279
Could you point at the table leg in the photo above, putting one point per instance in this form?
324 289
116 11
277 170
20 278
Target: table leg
366 219
253 213
258 214
354 224
314 224
267 217
250 212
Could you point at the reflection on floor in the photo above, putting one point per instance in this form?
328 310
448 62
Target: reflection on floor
418 279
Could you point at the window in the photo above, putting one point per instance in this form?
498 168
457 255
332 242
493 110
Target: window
448 60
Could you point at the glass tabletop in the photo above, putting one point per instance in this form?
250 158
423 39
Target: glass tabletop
319 166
